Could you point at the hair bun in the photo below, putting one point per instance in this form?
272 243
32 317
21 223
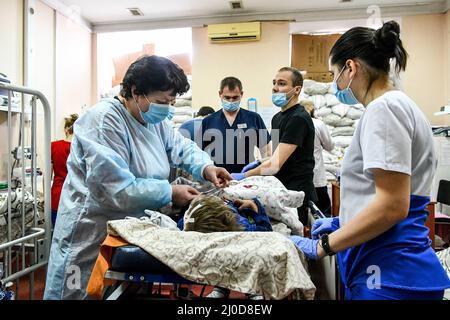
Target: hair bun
387 38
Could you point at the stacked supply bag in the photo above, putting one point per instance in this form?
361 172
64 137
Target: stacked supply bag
341 120
183 108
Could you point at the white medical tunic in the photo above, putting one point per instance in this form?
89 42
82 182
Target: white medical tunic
117 167
322 140
394 135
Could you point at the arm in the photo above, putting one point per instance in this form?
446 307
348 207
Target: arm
255 210
104 152
262 221
265 143
325 137
273 165
389 206
266 151
185 153
292 136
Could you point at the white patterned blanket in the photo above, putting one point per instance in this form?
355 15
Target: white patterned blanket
249 262
280 203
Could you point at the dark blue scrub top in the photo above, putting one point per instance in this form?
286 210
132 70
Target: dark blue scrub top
191 130
231 147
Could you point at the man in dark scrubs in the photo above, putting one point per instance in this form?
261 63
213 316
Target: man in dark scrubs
231 134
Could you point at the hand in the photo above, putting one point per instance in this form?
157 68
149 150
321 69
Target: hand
250 166
242 204
182 195
218 176
238 176
307 246
322 226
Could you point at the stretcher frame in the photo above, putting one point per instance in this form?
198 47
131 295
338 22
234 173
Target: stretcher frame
35 243
124 279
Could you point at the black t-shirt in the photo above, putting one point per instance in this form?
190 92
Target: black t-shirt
295 126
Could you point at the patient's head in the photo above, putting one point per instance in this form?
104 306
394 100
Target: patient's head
210 214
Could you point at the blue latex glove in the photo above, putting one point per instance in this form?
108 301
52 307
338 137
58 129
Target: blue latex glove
250 166
322 226
238 176
308 246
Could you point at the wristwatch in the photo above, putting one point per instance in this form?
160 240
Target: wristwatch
326 245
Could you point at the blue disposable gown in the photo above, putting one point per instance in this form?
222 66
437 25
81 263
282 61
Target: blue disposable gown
117 167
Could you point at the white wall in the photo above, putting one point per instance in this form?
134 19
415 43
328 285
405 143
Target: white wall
254 63
11 64
447 63
425 77
61 68
73 70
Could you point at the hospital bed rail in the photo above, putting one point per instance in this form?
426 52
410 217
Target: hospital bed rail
33 246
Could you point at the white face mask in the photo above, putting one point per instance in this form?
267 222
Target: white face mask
188 214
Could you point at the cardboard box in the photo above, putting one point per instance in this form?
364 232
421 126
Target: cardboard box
311 53
319 76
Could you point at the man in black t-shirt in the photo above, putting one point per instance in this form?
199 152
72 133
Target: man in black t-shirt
293 159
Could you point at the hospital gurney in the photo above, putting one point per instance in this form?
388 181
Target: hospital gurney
132 265
265 263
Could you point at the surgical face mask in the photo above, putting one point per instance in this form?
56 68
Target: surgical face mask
280 99
188 214
346 95
231 106
156 112
171 112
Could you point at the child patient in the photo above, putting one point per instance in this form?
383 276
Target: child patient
212 214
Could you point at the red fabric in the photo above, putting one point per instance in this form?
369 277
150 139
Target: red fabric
60 152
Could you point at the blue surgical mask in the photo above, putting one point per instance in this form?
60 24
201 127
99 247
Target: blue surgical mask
231 106
280 99
156 112
171 112
346 95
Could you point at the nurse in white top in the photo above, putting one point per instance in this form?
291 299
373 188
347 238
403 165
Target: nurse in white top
380 236
322 141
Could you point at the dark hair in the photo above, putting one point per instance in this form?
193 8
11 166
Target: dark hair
231 83
204 111
69 121
374 47
153 73
297 78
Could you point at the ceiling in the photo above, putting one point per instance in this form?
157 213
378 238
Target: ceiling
110 15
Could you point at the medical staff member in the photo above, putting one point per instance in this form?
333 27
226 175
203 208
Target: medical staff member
60 150
118 166
322 141
293 141
380 236
231 134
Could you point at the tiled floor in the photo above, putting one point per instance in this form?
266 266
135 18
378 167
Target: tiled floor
23 292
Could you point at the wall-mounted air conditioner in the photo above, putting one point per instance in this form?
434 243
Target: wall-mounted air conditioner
234 32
